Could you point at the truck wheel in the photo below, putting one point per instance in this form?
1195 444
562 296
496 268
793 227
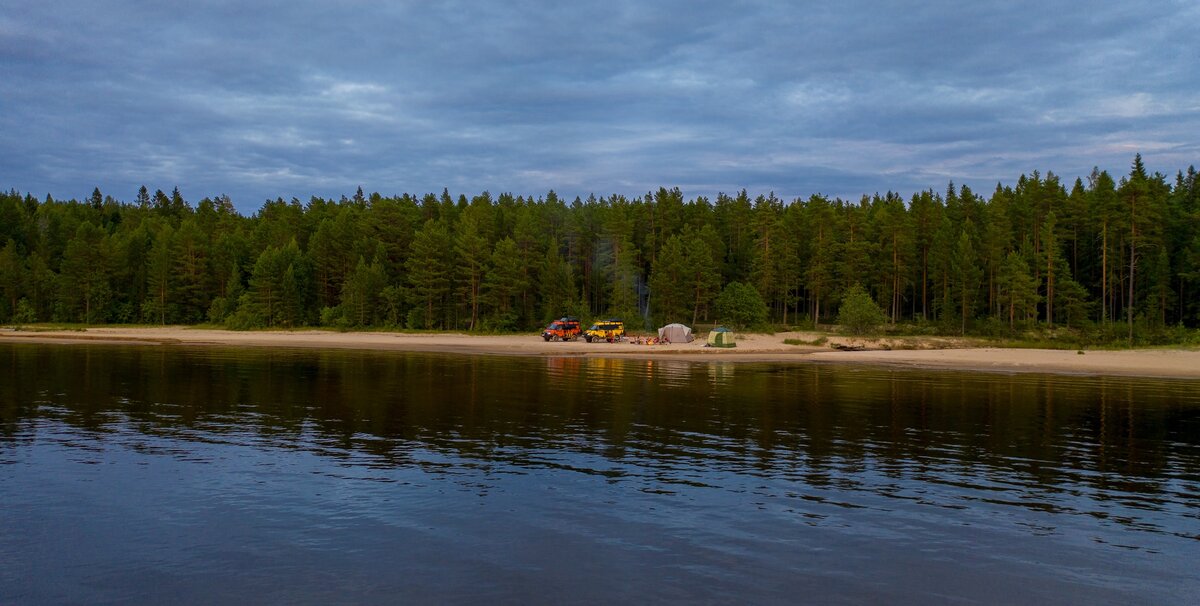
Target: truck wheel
546 337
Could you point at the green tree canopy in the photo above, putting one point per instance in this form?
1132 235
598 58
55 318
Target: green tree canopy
740 306
859 314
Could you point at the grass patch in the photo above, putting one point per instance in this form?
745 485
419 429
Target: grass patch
819 341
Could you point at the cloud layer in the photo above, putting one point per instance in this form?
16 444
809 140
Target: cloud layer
279 99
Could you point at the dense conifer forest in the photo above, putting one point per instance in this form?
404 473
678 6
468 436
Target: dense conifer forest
1119 257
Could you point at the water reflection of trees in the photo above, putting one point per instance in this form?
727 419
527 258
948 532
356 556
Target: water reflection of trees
819 425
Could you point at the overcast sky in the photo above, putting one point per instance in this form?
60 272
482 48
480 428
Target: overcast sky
264 99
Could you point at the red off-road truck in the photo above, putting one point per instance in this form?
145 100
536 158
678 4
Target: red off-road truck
563 329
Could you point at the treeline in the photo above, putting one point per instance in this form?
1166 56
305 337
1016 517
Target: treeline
1118 255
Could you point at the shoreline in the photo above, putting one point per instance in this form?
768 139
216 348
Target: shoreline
932 354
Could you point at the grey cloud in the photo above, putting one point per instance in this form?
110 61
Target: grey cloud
260 100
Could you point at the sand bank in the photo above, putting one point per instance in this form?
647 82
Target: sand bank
940 353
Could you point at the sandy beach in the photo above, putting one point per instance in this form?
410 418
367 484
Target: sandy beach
934 353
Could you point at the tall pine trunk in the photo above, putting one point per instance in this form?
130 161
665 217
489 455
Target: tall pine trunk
1104 315
1132 265
1050 288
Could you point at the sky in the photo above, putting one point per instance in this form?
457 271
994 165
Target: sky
259 100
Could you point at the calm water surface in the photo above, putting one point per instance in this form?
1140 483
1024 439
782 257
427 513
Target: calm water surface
159 475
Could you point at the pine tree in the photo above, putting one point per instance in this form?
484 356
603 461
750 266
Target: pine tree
265 285
361 292
471 250
894 242
703 270
942 259
623 277
194 291
926 211
764 264
858 248
132 251
1016 289
12 275
1074 222
224 305
790 261
822 244
276 294
84 272
619 262
556 286
428 270
1072 296
1161 297
1050 256
669 285
40 287
1189 271
506 280
732 216
288 311
160 273
1103 209
997 243
332 257
965 276
1136 194
527 235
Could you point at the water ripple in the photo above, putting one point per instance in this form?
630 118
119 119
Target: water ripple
741 479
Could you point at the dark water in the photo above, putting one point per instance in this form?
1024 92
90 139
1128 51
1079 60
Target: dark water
152 475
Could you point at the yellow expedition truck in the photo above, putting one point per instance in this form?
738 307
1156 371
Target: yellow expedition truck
605 330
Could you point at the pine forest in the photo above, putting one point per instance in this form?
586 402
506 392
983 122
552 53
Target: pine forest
1114 257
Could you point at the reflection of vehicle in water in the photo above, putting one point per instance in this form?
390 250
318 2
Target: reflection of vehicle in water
565 368
607 330
563 329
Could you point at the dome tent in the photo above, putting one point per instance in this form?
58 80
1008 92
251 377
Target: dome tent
721 337
675 333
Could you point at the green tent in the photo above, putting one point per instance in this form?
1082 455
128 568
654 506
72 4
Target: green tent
721 337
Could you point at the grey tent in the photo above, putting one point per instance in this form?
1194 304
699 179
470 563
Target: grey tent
675 333
721 337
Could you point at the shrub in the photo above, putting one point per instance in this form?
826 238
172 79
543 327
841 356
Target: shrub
415 319
859 314
245 316
220 309
500 322
24 313
335 317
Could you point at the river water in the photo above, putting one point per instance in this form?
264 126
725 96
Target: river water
210 475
